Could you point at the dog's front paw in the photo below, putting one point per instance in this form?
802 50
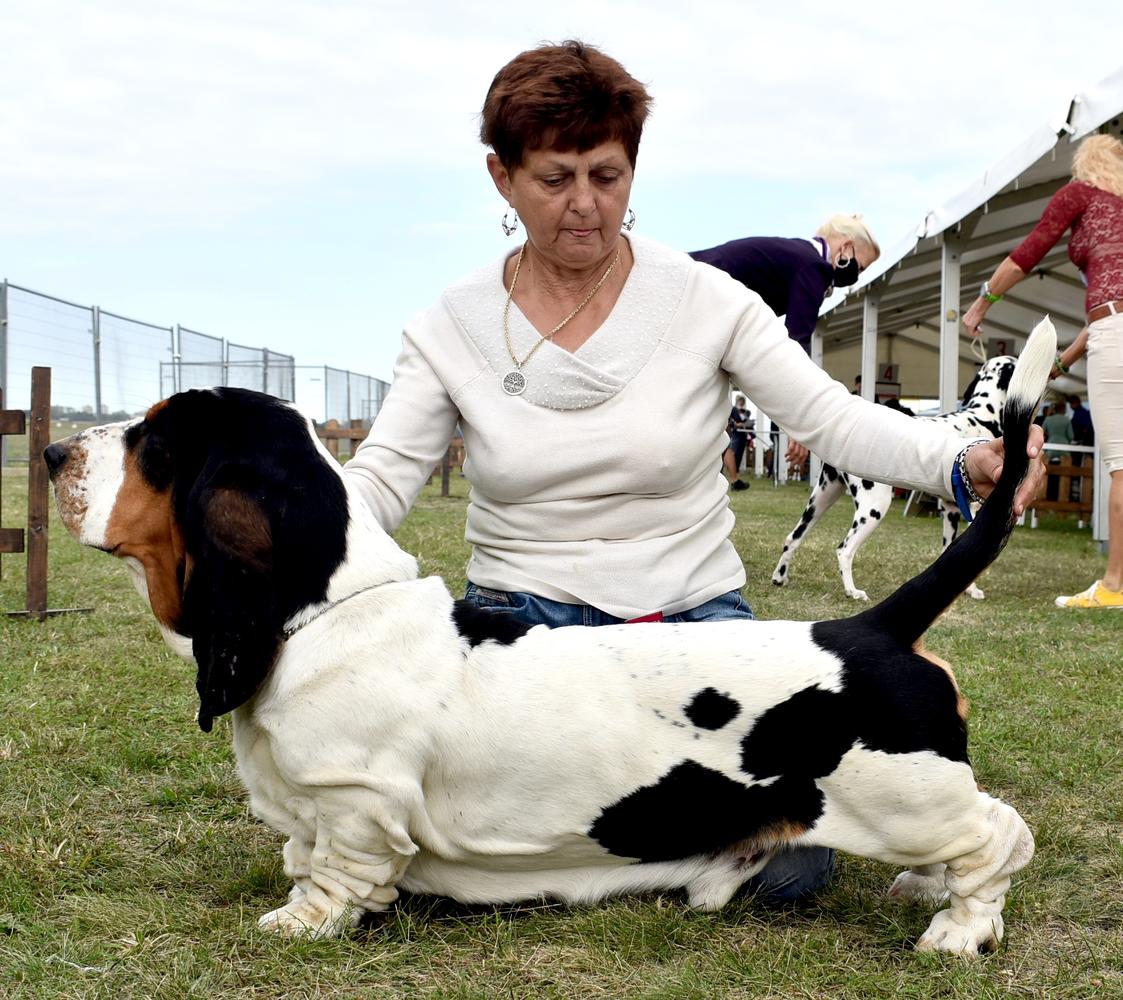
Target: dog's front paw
301 918
980 934
779 579
858 595
914 886
973 591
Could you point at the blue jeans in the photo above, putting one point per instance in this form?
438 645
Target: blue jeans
534 610
794 873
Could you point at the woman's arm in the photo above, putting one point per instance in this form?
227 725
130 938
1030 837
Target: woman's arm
1004 278
1071 354
1064 208
408 438
874 442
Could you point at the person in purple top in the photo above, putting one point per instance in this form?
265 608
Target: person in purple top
794 276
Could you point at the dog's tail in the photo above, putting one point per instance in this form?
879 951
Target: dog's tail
907 613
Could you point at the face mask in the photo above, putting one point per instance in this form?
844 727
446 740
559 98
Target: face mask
846 274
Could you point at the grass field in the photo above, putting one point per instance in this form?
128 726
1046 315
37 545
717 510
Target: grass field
130 867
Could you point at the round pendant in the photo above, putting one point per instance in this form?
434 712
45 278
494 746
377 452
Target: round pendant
514 382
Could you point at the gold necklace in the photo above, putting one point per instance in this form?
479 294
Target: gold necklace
514 382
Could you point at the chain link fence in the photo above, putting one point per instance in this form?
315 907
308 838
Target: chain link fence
108 367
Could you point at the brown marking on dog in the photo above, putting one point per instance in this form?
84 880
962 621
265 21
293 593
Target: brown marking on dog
155 409
962 705
238 526
775 835
143 526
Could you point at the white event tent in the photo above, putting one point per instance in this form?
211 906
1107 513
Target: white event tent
905 310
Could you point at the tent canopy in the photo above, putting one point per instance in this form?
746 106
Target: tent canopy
909 303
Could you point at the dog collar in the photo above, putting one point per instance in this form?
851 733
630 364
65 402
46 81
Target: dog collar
288 633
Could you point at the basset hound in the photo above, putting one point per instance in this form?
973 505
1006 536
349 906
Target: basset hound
401 739
977 418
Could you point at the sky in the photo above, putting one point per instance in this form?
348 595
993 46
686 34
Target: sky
306 176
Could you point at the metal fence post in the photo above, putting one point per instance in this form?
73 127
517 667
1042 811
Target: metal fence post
348 395
3 357
177 358
265 369
95 330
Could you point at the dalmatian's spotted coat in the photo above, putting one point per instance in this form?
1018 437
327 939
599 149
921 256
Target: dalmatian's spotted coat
977 418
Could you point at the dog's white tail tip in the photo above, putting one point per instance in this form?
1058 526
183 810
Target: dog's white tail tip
1031 374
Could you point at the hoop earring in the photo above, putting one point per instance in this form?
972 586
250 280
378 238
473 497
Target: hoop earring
629 221
509 227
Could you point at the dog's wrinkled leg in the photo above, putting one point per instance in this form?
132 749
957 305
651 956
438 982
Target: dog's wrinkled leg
921 884
977 882
336 882
827 490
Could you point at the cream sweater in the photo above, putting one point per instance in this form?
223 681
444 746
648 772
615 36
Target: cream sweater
602 483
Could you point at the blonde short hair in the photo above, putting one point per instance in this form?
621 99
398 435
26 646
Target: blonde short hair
849 227
1099 162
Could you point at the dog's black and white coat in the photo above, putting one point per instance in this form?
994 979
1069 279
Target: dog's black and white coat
978 417
401 739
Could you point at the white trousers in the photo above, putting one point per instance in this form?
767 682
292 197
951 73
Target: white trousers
1105 387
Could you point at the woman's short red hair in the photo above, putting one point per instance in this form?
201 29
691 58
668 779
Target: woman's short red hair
566 97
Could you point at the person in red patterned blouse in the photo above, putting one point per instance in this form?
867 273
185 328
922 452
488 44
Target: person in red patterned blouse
1091 205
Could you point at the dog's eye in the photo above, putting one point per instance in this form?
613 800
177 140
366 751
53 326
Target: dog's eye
154 459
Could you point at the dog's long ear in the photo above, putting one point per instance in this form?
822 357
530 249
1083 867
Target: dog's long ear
231 605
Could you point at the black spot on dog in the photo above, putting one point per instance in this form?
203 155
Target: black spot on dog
695 810
875 513
804 521
481 624
867 484
1005 375
710 709
830 473
801 739
853 489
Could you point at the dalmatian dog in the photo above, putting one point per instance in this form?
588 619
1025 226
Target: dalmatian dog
978 417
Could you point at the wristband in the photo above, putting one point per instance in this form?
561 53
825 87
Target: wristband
961 486
986 293
1061 366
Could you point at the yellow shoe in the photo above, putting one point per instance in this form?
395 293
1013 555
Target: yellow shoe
1096 596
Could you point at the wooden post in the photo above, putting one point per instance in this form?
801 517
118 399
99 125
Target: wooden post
11 422
445 462
38 437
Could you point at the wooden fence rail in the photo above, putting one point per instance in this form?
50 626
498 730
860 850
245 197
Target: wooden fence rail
331 434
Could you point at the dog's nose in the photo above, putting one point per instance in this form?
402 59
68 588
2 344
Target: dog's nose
54 455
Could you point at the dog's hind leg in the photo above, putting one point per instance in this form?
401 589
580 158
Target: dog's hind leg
922 884
871 504
827 490
977 882
950 517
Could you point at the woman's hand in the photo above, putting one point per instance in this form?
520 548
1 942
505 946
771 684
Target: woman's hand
973 318
796 454
984 466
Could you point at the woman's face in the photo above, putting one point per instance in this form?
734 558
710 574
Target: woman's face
572 204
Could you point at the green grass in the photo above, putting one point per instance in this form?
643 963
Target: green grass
130 867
